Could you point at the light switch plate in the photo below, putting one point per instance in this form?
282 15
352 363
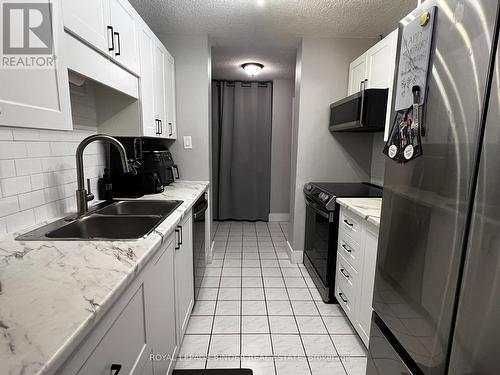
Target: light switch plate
188 142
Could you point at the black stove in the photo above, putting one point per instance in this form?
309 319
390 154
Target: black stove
326 193
322 225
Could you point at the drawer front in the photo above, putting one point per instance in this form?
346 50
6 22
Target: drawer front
351 224
124 344
350 250
346 287
345 297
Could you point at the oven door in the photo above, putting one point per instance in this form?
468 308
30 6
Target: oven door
319 247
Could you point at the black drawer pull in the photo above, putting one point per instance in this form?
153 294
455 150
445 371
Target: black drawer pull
112 38
347 222
115 369
346 275
181 235
178 244
341 295
118 51
346 248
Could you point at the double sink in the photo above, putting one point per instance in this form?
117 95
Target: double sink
116 220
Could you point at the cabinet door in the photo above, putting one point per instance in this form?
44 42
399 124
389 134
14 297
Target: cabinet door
170 97
147 83
38 98
160 309
123 20
357 74
381 60
381 64
159 86
184 277
368 280
124 344
89 20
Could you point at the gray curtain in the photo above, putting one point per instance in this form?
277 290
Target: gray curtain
241 144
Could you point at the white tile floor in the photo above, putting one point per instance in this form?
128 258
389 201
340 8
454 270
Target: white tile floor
257 310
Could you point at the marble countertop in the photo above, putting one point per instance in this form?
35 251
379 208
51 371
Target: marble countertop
53 293
368 208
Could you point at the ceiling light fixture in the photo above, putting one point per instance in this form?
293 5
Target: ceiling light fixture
252 68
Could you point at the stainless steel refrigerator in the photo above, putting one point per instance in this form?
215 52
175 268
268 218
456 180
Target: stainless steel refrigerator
437 285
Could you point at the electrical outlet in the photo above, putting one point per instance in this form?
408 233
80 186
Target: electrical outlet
188 142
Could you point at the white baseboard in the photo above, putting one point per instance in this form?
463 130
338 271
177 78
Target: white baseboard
295 256
279 217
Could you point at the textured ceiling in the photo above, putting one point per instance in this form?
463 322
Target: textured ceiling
269 30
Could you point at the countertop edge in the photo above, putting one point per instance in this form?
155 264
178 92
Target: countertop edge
370 218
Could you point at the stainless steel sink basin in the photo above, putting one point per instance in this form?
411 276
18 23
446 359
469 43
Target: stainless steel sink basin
107 227
118 220
161 208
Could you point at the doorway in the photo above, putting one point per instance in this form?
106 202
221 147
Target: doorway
241 147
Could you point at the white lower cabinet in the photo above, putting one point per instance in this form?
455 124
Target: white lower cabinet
160 309
184 275
141 333
355 272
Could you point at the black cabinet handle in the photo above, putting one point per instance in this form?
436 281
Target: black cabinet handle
161 126
171 127
157 123
176 169
181 235
346 248
112 47
341 295
115 369
119 47
178 244
347 222
346 275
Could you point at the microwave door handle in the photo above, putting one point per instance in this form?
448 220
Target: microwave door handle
362 109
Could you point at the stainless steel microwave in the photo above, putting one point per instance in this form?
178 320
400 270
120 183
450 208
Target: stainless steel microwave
364 111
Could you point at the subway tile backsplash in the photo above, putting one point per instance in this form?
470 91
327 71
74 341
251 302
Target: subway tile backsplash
38 174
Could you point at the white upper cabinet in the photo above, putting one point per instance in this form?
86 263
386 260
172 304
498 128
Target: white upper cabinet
160 85
38 98
107 25
147 84
157 85
380 62
89 20
375 70
357 74
170 97
123 22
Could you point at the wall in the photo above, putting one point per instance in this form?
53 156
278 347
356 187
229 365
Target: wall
283 92
317 154
38 174
193 90
378 160
192 75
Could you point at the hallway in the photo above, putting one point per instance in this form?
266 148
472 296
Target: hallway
257 310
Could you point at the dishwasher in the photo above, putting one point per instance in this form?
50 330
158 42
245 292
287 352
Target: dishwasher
199 252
